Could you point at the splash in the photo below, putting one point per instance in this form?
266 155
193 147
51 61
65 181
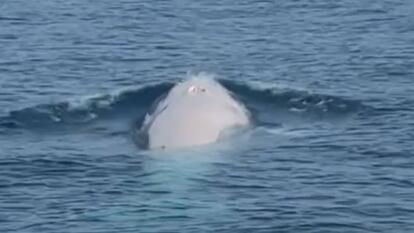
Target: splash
271 106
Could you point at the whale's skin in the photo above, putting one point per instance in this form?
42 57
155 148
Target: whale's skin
194 112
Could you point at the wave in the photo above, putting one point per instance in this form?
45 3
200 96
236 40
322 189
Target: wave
280 105
269 104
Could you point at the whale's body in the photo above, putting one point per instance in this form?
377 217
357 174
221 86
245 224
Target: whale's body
194 112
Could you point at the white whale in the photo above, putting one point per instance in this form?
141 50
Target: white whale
195 112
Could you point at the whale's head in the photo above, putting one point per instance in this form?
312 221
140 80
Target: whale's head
196 111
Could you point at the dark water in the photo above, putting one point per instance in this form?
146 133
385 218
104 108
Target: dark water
329 84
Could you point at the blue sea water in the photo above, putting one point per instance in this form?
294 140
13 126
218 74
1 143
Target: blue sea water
329 83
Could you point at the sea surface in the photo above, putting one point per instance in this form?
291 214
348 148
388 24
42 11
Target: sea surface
330 85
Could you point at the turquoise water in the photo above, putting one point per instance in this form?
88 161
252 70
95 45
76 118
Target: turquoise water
329 85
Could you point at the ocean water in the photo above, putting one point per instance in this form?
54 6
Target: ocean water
329 84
